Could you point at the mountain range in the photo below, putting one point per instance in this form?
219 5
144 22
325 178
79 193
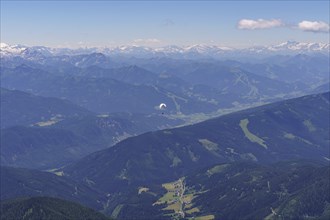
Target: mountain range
46 133
244 134
191 52
230 157
188 87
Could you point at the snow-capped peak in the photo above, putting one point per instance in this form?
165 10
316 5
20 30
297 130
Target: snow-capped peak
3 45
299 46
6 49
204 48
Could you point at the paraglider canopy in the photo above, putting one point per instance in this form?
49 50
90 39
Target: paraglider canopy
162 106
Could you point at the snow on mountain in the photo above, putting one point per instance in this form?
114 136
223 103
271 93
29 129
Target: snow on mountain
194 51
9 50
169 49
299 46
3 45
203 48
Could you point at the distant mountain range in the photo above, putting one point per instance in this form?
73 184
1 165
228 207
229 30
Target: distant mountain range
103 94
186 86
191 82
190 52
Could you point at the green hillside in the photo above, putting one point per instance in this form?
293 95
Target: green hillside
292 190
292 129
53 146
19 182
240 190
21 108
41 148
47 208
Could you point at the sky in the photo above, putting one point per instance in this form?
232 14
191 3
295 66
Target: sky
160 23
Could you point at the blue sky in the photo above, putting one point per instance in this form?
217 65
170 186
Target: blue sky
111 23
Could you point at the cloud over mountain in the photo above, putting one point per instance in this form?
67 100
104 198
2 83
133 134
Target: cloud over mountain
258 24
308 26
314 26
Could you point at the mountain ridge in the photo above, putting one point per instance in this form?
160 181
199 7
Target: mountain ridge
245 135
37 109
198 50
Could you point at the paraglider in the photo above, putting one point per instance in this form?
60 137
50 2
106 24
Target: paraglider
162 107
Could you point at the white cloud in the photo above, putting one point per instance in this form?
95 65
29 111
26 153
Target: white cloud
258 24
314 26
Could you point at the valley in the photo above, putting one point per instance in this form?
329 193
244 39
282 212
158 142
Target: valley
242 134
